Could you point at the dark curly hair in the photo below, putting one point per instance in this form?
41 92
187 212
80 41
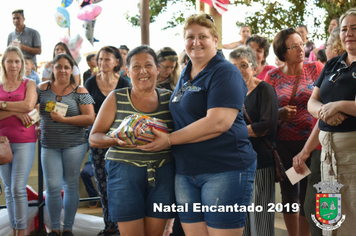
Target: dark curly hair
262 43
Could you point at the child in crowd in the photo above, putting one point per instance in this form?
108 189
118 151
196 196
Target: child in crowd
93 67
31 74
321 56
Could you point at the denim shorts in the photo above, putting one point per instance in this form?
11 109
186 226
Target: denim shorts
130 197
215 198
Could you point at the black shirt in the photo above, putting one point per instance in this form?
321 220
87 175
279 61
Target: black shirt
86 76
262 107
97 95
337 82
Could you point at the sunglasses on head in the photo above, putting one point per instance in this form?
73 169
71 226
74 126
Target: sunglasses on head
208 17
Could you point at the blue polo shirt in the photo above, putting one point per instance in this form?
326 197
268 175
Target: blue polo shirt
219 84
343 88
34 76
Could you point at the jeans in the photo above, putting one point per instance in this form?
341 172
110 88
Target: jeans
86 175
216 190
130 197
14 177
61 168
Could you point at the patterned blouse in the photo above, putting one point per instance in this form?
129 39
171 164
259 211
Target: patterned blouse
301 126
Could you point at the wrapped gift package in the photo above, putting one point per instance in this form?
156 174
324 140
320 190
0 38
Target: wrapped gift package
137 129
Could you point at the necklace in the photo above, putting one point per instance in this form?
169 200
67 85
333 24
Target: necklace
11 87
60 95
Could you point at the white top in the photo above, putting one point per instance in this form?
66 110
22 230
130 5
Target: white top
47 72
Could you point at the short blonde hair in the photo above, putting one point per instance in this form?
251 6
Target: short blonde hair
3 70
202 19
350 12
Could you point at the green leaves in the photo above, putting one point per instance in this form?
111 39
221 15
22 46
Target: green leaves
160 6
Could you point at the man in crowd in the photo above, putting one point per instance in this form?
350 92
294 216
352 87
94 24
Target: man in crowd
27 39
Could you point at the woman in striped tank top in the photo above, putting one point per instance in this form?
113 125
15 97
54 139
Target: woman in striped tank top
137 180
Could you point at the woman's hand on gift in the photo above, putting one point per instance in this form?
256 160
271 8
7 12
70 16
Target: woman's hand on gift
124 144
159 143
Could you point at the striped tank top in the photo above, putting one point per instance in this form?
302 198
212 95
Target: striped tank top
133 156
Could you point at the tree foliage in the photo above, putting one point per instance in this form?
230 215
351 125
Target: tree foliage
334 9
274 16
160 6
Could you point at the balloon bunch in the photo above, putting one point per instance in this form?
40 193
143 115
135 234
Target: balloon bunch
63 20
88 13
74 44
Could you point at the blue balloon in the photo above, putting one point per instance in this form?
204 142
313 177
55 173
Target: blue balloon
66 3
62 17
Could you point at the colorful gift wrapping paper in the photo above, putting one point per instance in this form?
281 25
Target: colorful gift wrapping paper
142 125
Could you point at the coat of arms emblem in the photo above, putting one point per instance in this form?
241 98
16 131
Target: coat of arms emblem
328 206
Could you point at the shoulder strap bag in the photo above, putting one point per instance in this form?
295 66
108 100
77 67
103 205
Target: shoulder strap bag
291 101
280 171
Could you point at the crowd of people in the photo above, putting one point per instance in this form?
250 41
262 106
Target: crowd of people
223 118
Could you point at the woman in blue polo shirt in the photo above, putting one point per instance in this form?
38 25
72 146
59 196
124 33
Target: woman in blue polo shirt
215 160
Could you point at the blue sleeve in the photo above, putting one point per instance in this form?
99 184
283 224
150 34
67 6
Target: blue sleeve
38 80
227 89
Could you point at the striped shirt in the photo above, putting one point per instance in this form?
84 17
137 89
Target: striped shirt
61 135
133 156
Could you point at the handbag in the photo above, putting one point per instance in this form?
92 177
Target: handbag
5 151
279 168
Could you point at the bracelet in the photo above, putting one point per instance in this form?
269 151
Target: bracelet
169 140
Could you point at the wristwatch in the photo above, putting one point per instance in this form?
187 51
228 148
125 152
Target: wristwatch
4 105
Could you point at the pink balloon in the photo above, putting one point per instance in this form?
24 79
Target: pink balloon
65 39
89 12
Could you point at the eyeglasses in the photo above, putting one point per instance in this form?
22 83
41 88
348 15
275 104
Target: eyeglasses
296 47
244 66
335 77
181 91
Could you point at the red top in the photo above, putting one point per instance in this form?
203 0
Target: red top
11 126
300 128
263 73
